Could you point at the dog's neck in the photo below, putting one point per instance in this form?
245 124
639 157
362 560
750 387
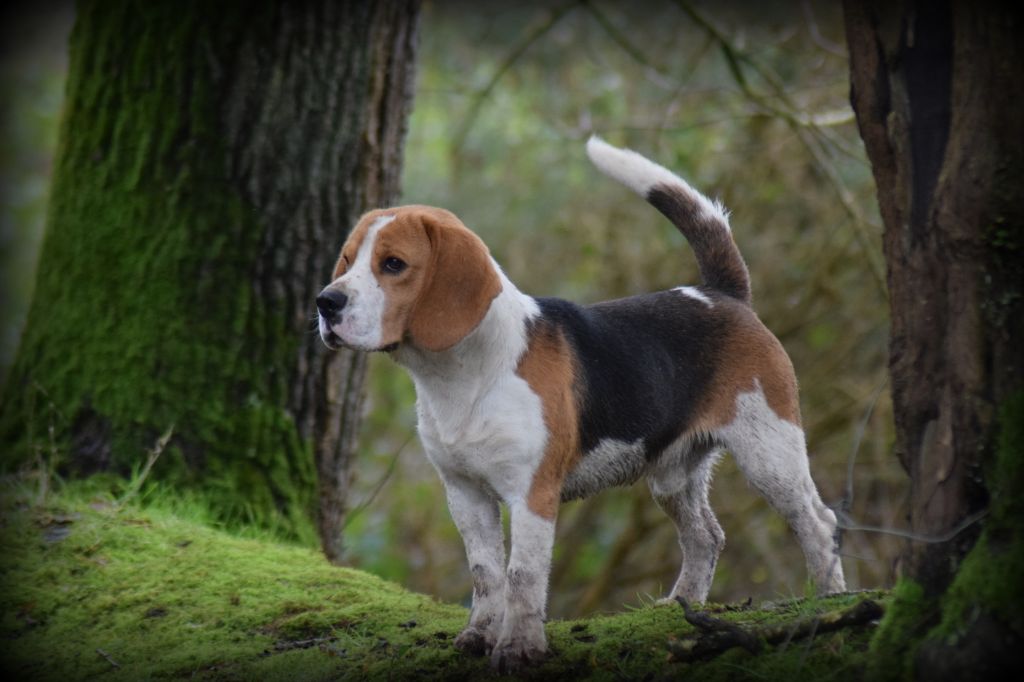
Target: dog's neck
491 350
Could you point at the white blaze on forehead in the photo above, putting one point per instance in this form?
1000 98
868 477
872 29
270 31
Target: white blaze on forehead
360 324
364 257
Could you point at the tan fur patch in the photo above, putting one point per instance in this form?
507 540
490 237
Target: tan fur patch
406 239
548 367
753 353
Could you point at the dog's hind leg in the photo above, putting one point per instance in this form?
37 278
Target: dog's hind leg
680 487
772 454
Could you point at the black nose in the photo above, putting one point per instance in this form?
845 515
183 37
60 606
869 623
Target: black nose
330 302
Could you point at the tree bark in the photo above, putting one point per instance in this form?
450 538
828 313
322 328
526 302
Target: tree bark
212 158
937 92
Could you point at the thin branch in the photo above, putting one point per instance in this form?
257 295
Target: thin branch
154 455
716 636
833 48
876 268
622 41
108 658
847 523
358 509
847 502
721 630
514 54
799 121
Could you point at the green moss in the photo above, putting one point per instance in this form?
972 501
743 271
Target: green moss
146 313
989 579
904 625
167 597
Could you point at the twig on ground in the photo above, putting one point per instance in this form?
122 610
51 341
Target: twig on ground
108 657
716 636
154 455
861 613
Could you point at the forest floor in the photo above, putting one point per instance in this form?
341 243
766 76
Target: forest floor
93 588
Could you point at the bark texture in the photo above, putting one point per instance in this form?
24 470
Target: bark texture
212 158
937 92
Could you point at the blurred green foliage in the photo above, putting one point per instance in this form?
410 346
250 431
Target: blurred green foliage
505 100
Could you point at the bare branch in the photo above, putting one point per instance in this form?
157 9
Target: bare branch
716 636
358 509
847 501
514 54
108 658
622 41
847 523
820 40
154 454
799 121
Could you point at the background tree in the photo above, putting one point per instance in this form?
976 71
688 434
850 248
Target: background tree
212 158
940 105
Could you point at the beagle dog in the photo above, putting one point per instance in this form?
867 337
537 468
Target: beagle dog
530 402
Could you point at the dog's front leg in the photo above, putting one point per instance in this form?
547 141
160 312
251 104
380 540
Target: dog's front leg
478 519
522 639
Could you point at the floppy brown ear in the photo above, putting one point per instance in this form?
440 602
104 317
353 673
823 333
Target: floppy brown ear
462 283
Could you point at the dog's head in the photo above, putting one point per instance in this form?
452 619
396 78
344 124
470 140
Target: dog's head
413 274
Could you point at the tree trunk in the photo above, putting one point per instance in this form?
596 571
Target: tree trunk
212 158
937 92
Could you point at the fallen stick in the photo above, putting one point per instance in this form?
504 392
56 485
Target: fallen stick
109 658
716 636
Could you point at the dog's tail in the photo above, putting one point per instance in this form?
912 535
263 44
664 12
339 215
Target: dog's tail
703 222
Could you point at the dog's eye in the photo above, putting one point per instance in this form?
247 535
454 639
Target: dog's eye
392 265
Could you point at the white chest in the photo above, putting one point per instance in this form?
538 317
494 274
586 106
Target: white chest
494 435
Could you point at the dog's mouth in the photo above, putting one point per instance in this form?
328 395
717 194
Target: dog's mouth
327 335
332 340
335 342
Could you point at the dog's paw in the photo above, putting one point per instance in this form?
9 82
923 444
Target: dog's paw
513 655
473 642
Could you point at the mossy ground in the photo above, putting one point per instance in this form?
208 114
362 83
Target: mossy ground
96 589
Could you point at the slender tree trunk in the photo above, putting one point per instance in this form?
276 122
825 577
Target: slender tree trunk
212 158
936 87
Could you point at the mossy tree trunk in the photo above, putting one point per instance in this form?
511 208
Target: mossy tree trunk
936 87
211 160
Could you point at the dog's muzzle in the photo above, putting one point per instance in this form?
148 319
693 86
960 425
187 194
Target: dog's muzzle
329 304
